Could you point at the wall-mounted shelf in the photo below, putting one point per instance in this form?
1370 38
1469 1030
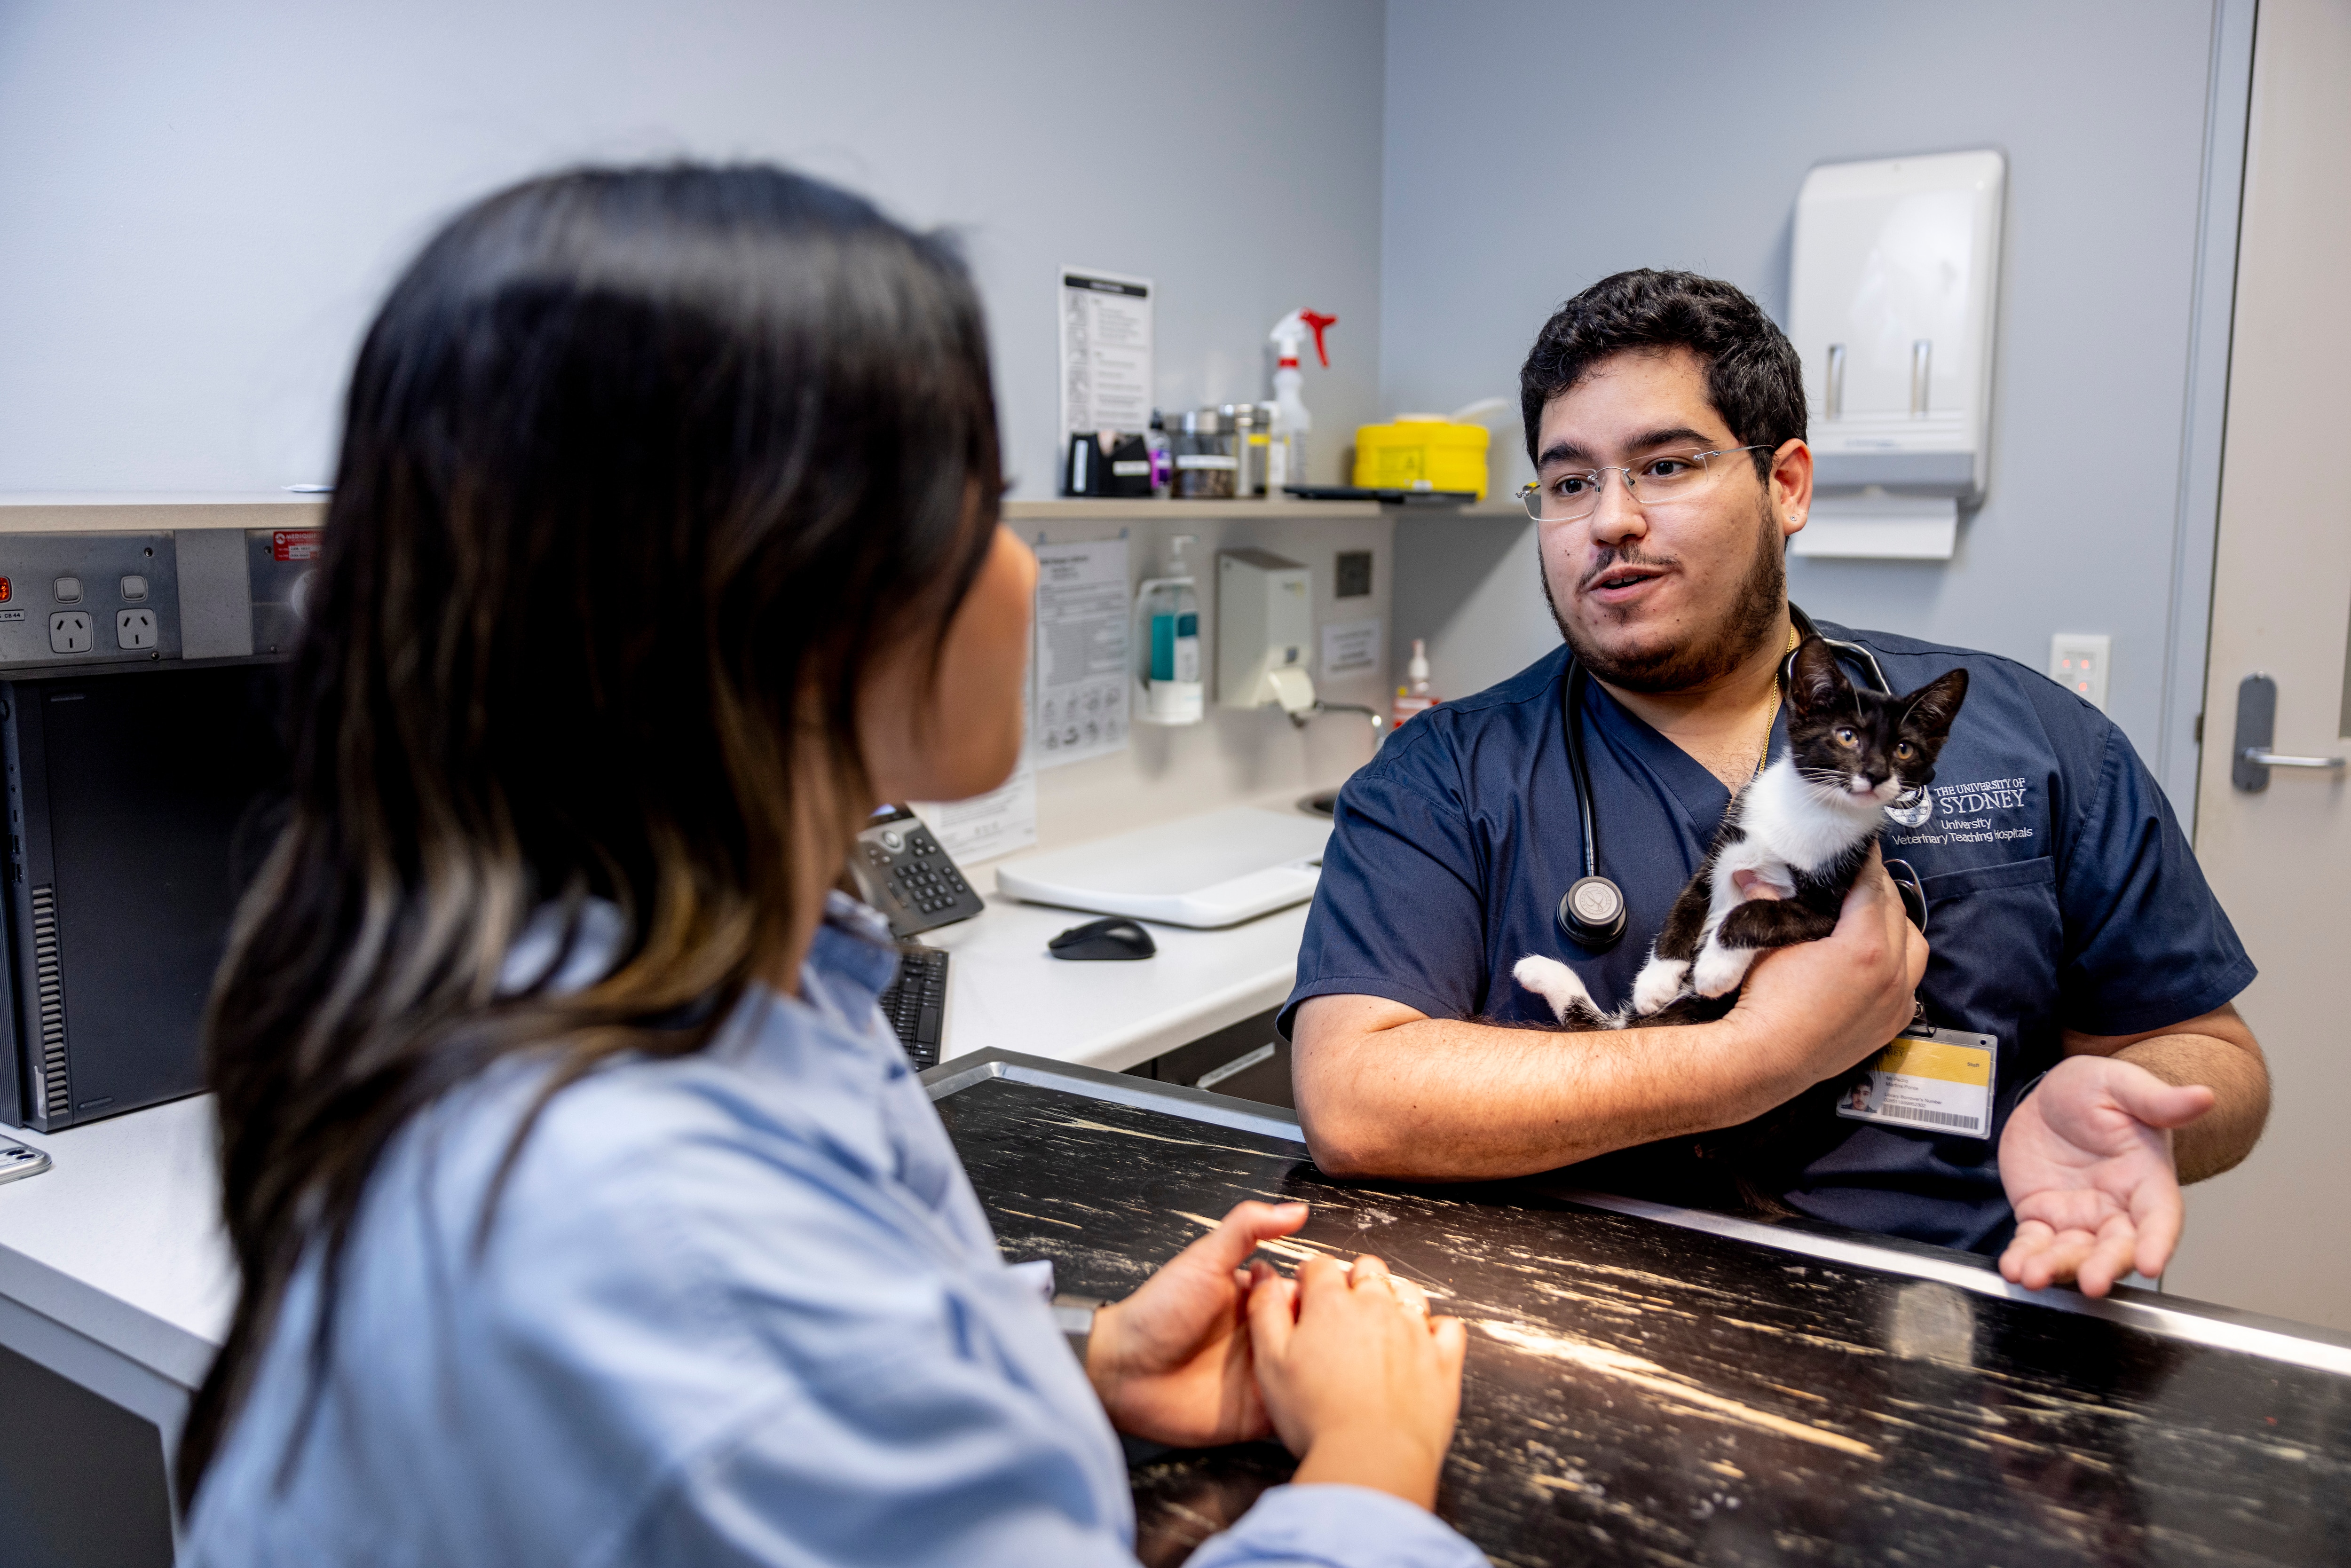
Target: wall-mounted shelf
140 513
1143 511
149 513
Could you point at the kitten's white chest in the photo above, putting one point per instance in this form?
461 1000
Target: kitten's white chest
1789 824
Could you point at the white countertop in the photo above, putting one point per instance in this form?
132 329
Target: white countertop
120 1240
1006 992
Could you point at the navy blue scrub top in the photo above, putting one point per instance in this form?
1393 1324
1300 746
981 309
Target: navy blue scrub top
2061 895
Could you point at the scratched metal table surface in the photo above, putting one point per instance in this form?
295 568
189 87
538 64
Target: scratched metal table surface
1640 1391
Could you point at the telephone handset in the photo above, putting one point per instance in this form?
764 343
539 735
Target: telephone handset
902 871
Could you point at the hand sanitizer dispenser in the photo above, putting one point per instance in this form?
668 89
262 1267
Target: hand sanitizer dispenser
1168 631
1265 625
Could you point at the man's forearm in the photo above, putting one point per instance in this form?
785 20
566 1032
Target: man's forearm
1444 1100
2216 1050
2240 1082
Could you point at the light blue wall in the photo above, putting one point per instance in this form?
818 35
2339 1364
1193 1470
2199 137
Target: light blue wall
201 203
1533 149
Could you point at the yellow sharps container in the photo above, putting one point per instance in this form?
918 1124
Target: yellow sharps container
1422 451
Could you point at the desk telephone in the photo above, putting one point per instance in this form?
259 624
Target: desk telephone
902 871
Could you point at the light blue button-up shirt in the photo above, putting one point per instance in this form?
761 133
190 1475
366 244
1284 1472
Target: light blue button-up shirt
741 1307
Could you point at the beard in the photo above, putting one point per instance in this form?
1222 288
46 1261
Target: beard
1708 655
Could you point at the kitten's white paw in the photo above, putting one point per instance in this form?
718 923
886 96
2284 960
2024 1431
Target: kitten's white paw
1659 982
1719 970
1555 983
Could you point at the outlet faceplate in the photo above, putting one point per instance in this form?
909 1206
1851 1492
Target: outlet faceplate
67 593
2078 660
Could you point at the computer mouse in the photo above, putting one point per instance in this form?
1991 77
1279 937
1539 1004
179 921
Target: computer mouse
1116 937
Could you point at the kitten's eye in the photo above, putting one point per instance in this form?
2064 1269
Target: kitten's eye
1904 751
1845 735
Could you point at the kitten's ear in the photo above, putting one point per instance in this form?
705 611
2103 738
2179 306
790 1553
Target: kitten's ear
1933 707
1815 684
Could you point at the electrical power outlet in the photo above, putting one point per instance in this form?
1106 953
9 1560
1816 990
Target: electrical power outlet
2078 660
70 632
134 629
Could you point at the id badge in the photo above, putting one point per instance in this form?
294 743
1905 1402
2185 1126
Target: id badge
1926 1080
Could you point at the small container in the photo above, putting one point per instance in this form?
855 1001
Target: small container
1249 447
1422 451
1414 698
1207 468
1162 462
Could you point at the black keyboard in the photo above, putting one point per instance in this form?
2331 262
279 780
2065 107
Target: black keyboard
916 1001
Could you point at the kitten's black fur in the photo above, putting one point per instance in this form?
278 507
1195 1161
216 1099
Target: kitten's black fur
1805 825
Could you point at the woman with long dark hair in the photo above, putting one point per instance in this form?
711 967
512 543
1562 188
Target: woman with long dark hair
585 1208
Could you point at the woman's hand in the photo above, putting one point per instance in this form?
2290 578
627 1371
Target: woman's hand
1361 1383
1172 1363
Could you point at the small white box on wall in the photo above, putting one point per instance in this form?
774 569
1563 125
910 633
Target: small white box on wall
1893 296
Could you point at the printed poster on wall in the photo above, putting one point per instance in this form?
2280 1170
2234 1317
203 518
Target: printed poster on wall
1003 820
1349 647
989 825
1080 661
1106 332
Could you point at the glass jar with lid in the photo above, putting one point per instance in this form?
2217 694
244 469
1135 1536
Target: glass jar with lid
1201 442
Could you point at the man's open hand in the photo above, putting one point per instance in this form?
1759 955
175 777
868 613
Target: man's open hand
2086 1160
1172 1363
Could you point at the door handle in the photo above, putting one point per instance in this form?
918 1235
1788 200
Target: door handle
2250 764
2260 759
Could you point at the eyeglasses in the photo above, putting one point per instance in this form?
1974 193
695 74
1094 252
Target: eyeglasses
1565 498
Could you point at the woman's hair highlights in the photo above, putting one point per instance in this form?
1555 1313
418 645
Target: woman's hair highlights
641 469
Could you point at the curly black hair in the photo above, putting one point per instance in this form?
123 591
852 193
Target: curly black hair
1753 377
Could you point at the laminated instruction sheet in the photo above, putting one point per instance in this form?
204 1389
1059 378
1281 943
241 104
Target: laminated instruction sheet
1081 662
985 826
1105 352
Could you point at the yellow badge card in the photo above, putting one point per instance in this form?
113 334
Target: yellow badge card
1926 1081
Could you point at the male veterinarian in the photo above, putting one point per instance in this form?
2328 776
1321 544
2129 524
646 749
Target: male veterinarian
2074 967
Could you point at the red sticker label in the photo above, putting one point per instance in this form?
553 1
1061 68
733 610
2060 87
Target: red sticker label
295 544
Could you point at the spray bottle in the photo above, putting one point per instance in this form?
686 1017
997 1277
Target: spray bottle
1285 461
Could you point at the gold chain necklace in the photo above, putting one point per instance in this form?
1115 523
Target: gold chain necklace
1764 752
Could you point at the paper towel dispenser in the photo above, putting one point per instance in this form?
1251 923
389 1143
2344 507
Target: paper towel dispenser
1892 299
1265 629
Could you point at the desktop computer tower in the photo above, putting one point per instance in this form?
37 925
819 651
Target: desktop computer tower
139 802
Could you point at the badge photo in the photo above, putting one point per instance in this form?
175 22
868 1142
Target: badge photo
1928 1080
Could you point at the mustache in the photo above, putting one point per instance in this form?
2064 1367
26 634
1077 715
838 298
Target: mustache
1617 556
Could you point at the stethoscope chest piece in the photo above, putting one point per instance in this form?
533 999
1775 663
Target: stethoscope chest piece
1591 913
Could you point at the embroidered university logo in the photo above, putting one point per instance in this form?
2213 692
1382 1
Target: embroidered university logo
1911 811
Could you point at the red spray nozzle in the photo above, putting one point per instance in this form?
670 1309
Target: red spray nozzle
1318 321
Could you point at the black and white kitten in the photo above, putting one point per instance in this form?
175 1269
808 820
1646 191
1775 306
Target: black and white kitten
1802 829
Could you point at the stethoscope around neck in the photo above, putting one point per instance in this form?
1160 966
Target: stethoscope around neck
1592 912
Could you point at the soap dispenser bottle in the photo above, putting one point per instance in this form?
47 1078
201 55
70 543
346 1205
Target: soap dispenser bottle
1168 607
1416 697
